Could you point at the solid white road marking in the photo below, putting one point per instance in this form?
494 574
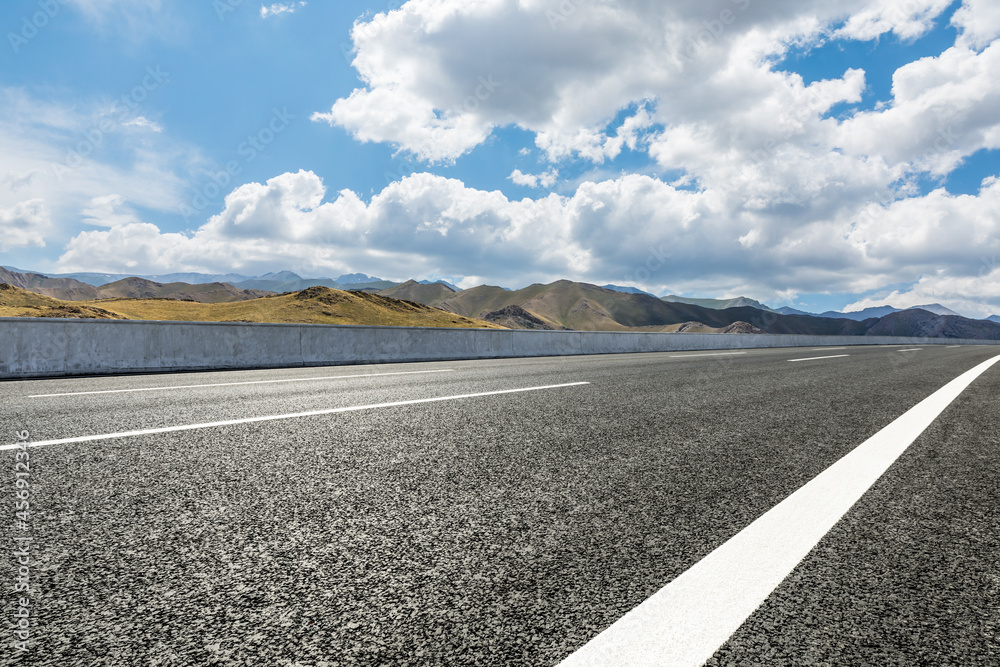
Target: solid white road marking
712 354
687 621
252 420
233 384
834 356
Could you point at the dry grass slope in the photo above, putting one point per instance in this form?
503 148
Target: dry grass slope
411 290
316 305
570 305
140 288
16 302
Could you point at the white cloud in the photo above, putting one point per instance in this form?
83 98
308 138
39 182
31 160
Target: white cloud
951 243
979 21
907 21
545 180
410 228
976 297
943 110
68 154
108 211
145 123
279 8
440 75
24 224
18 180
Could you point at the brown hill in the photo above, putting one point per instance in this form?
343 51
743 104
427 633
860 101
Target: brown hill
742 328
69 289
66 289
140 288
562 304
925 324
429 295
515 317
584 307
316 305
17 302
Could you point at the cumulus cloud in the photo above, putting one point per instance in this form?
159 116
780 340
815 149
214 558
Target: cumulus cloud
952 243
418 226
979 21
906 20
24 225
943 110
440 75
546 179
279 8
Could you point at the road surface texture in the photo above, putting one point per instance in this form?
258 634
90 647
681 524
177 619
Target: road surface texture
493 528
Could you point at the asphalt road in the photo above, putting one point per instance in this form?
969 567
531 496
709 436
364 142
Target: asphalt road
503 529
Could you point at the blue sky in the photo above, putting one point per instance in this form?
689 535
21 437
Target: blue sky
788 151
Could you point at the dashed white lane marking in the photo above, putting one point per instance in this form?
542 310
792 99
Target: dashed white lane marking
233 384
833 356
827 349
311 413
711 354
687 621
915 349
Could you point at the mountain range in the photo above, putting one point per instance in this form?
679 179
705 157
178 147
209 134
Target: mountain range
582 307
722 304
562 305
868 313
98 279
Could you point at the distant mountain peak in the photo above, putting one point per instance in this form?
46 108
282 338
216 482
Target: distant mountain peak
447 284
627 290
718 304
356 278
280 275
936 308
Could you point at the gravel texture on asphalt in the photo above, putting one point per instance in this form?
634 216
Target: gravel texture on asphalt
911 575
501 530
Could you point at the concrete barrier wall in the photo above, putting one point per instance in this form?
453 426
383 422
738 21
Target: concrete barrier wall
38 347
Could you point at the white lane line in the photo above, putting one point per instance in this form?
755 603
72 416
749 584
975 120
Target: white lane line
915 349
295 415
687 621
712 354
827 349
233 384
833 356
